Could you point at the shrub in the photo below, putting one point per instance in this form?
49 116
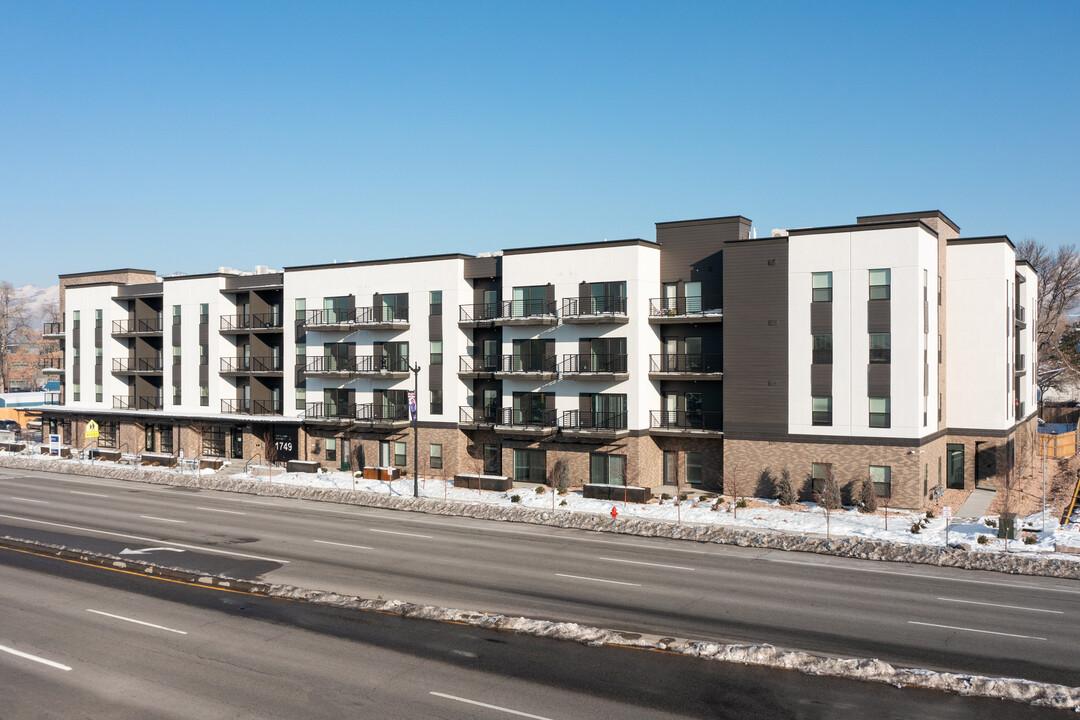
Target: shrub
990 522
682 496
867 497
929 514
741 504
561 491
702 498
540 489
785 492
515 498
982 540
915 528
562 503
665 496
1029 539
560 474
766 484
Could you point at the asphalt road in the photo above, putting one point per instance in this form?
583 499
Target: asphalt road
90 642
921 616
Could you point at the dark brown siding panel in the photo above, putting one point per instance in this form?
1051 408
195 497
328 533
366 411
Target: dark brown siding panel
204 375
585 402
821 380
435 327
755 322
176 375
435 380
878 378
176 335
485 267
821 317
878 316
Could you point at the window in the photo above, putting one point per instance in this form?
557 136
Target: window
530 466
819 473
176 394
881 476
821 406
435 305
395 307
301 398
176 355
822 348
301 309
97 319
331 449
204 354
435 396
97 356
940 405
938 289
214 442
76 392
97 393
692 290
175 314
204 395
607 469
954 466
204 313
75 356
436 352
821 282
492 460
75 321
435 456
671 467
880 347
400 450
693 468
301 354
879 412
106 434
529 301
939 349
879 284
166 434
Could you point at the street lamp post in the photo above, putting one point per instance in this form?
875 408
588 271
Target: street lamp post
416 429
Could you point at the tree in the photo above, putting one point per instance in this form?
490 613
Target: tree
785 492
1059 297
731 483
867 496
828 499
14 330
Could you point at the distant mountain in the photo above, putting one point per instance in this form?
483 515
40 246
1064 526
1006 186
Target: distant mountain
37 299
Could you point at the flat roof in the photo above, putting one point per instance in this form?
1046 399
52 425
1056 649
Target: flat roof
580 246
985 239
106 272
699 221
859 227
387 261
888 217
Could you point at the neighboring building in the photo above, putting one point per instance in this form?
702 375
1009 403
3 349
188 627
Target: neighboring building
890 349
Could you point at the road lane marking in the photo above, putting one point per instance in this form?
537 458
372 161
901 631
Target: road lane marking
151 517
77 492
394 532
984 632
639 562
35 658
22 499
145 539
358 547
508 711
137 622
613 582
230 512
1007 607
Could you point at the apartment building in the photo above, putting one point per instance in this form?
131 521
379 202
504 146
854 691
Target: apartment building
892 348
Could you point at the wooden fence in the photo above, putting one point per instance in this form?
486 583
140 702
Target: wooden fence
1057 446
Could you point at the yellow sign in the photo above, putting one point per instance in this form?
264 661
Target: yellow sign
91 429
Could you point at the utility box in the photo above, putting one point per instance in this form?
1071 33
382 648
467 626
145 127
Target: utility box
1007 526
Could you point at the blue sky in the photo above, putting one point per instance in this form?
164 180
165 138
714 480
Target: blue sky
183 136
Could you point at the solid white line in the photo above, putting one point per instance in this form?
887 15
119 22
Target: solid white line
490 707
35 658
1007 607
230 512
22 499
137 622
394 532
145 539
984 632
77 492
151 517
613 582
639 562
358 547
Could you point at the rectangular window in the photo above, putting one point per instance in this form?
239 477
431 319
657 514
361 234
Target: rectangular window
301 309
75 356
435 456
204 313
301 398
939 349
530 466
107 434
693 468
436 352
97 393
204 395
881 476
301 354
176 355
607 469
880 347
879 284
938 289
435 396
97 319
175 314
204 354
435 302
821 282
821 406
954 464
819 473
97 356
492 460
822 348
880 412
75 321
166 434
529 301
400 450
331 449
76 392
213 444
692 291
176 395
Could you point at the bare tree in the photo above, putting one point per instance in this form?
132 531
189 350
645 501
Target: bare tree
14 330
731 483
1059 296
270 450
828 499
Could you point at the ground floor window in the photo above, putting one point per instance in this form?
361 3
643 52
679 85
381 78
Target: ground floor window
693 468
671 467
400 450
238 443
492 460
530 466
107 434
881 476
149 439
435 456
331 449
819 473
166 432
214 442
607 469
954 477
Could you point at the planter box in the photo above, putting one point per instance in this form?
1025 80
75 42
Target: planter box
618 492
157 459
65 452
13 446
499 483
99 454
211 463
307 466
386 474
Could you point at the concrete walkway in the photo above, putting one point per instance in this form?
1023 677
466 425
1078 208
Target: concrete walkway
976 504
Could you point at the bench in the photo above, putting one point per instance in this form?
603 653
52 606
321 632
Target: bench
499 483
631 493
158 459
305 466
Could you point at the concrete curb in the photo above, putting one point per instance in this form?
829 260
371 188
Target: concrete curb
862 549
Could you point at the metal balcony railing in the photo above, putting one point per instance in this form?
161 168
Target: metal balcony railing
330 411
52 328
125 402
679 306
382 412
606 305
54 398
507 310
686 363
240 406
468 415
251 321
251 364
686 420
593 363
478 364
478 312
53 363
370 364
136 326
134 365
528 418
356 316
590 420
527 364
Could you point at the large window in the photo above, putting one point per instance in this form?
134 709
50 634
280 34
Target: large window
435 397
213 444
400 451
879 284
822 348
301 398
106 434
435 302
75 320
822 409
331 449
880 416
492 460
528 301
530 466
435 456
301 310
955 466
175 314
880 347
693 468
821 282
692 290
881 476
606 298
204 313
97 319
166 434
607 469
819 473
204 395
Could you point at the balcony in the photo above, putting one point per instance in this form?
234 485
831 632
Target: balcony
527 423
586 424
508 312
371 366
250 322
478 314
601 366
686 422
681 310
470 418
240 406
251 365
371 318
136 327
137 366
474 367
379 416
127 402
690 366
539 367
53 398
53 331
53 366
608 309
1021 316
1020 365
330 412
